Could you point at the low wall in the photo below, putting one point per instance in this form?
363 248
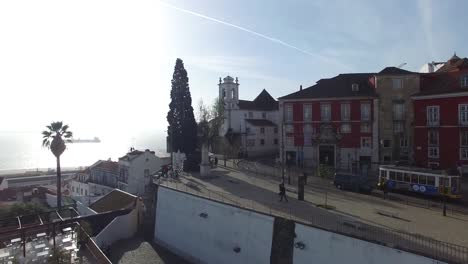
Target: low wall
326 247
209 232
122 227
206 231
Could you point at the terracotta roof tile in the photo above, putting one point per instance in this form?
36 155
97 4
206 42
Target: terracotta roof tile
114 200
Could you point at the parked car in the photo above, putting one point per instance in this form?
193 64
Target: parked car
353 182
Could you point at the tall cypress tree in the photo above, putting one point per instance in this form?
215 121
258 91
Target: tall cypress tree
182 130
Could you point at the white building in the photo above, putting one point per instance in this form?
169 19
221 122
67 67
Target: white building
136 167
79 186
253 123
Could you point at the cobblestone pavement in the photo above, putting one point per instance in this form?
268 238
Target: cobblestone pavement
136 250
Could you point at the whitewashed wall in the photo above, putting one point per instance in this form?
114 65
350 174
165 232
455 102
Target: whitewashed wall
180 227
325 247
122 227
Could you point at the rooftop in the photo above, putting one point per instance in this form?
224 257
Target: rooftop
455 63
260 122
338 86
395 71
114 200
263 102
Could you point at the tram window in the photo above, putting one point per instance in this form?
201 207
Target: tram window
392 175
422 179
443 181
382 173
407 177
414 178
399 176
431 180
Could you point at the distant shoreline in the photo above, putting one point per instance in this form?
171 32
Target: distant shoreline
36 171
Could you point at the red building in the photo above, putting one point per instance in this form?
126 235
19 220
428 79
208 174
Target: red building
441 117
331 122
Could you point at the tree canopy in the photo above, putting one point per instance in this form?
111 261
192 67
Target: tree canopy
182 129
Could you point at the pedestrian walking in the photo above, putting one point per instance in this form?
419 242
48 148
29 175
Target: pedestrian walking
282 192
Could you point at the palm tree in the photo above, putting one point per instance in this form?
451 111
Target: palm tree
53 139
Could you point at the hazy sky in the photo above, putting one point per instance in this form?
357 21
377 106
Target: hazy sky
106 66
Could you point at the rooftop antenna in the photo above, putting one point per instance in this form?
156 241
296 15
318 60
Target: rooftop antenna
401 65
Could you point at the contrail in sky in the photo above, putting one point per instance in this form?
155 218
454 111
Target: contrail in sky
275 40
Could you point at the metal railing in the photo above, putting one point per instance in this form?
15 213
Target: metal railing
336 223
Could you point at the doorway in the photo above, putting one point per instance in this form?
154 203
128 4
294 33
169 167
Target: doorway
327 155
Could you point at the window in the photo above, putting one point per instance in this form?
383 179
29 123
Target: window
403 142
406 177
81 190
308 112
289 129
86 192
414 178
365 128
308 131
247 130
433 138
262 142
146 173
290 141
431 180
325 112
73 188
355 87
250 142
288 112
275 141
387 143
464 81
383 173
398 127
397 83
387 158
433 152
463 114
392 175
262 130
264 115
276 130
399 111
422 179
345 112
365 142
250 115
345 128
464 153
433 115
365 111
399 176
464 145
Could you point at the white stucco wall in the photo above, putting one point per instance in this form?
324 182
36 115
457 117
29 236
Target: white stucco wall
211 239
122 227
136 172
325 247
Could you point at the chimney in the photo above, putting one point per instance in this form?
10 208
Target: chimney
300 87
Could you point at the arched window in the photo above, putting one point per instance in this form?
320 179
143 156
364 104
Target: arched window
464 81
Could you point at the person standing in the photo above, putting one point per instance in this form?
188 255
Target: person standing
216 161
282 192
